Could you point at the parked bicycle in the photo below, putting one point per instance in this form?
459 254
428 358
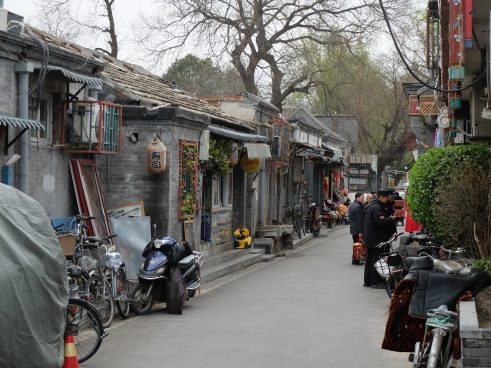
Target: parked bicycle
390 265
435 350
295 213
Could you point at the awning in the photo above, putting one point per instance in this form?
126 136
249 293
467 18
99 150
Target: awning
77 77
338 154
238 136
20 123
257 150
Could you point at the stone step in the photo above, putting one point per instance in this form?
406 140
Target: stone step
212 273
298 242
268 257
223 256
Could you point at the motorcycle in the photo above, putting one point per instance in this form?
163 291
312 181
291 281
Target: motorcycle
170 274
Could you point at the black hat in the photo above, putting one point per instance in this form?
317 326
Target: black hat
384 192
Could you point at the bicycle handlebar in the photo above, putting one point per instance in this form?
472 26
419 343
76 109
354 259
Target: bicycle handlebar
392 238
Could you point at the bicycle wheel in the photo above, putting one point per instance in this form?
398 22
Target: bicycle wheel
302 224
123 301
296 228
100 295
392 282
83 322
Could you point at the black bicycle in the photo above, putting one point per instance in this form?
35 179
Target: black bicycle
295 213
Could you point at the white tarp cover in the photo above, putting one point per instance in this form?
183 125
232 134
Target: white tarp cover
33 285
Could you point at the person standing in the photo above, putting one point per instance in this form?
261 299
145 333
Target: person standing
355 214
378 228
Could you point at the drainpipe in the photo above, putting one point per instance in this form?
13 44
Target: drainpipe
261 193
23 70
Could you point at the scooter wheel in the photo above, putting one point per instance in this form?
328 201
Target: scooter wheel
140 304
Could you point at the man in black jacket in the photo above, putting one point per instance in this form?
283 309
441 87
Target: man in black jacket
355 213
378 228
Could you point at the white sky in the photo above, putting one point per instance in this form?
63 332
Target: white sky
127 13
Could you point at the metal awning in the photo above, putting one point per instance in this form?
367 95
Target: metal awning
235 135
20 123
257 150
77 77
337 152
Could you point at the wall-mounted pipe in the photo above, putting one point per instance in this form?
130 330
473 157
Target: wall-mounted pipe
23 70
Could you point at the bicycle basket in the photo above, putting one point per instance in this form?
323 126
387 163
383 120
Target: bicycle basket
88 263
97 253
382 267
113 259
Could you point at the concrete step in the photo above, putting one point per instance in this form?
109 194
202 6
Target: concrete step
298 242
268 257
212 273
223 256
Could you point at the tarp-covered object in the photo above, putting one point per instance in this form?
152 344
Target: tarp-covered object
33 285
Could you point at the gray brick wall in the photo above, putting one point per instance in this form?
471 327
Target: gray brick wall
125 177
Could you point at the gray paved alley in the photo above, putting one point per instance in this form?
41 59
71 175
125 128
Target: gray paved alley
303 310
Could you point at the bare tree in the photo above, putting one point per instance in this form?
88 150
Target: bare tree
70 19
260 35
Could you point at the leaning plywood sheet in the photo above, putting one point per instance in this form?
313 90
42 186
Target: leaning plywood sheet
33 284
89 196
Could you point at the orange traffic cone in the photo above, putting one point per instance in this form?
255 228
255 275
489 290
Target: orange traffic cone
71 360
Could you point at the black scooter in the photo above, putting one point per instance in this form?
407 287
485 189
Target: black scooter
170 274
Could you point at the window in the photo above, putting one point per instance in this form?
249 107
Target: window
222 187
228 190
217 191
42 111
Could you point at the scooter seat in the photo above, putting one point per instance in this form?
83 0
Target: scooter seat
185 262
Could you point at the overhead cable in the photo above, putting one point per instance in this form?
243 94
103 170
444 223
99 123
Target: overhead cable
406 64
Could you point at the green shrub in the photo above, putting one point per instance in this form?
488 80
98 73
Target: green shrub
432 170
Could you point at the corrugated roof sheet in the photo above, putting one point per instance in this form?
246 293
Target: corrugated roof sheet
77 77
239 136
20 123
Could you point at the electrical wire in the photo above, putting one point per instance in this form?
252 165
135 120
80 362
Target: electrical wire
386 18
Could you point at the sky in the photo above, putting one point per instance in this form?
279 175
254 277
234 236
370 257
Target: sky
127 15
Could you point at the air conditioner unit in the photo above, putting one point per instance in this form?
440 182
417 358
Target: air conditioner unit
10 22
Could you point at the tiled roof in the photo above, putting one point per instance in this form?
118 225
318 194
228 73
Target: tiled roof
138 84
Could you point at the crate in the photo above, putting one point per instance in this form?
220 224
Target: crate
68 243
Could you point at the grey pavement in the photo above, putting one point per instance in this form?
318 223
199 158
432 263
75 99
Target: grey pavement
307 309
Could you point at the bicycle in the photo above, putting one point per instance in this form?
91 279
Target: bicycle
441 323
121 287
89 256
295 213
83 322
390 265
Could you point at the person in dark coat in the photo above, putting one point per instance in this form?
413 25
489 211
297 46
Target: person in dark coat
355 213
378 228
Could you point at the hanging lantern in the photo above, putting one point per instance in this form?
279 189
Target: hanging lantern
250 165
156 156
234 155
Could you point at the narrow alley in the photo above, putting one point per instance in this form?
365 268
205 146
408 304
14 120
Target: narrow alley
308 309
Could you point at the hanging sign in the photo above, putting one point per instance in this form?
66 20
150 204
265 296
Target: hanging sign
250 165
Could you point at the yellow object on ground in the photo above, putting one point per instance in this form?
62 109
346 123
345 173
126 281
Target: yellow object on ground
242 238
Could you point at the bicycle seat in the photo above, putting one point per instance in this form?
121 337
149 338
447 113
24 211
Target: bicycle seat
442 310
419 237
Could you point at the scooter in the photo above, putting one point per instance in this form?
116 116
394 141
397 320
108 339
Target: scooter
170 274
